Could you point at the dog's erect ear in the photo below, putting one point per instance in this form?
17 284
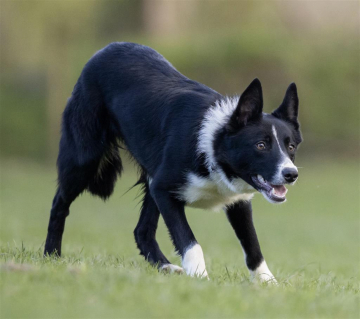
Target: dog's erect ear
249 107
288 110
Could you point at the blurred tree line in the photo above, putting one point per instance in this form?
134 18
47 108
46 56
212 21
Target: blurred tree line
224 44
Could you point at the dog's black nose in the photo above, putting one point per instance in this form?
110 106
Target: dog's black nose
290 174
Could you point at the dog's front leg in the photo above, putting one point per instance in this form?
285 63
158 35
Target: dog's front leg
183 238
240 217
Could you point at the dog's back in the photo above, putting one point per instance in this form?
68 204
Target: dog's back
129 93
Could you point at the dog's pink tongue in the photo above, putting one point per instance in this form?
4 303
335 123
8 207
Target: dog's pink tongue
280 190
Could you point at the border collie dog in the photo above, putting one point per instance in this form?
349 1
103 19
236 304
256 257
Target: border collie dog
194 148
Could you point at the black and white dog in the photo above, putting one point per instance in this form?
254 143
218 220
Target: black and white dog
194 147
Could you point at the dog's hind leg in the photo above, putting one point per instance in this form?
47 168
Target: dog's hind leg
72 181
59 212
96 175
145 232
88 157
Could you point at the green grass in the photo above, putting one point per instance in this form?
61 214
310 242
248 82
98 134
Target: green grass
311 244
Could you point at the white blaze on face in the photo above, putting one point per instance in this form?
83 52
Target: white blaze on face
285 161
193 261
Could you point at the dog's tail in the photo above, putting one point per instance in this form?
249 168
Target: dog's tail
89 148
109 168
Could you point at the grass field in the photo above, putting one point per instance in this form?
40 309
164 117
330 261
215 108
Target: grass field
311 244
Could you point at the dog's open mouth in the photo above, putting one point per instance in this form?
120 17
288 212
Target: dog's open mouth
274 193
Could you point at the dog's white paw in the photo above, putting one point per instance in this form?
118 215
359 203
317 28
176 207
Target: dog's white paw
194 263
202 273
171 269
197 271
263 274
268 278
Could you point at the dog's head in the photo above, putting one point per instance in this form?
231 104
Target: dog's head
258 147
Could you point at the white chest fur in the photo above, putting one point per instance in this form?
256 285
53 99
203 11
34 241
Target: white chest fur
214 192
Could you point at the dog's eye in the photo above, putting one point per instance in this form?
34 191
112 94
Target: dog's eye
291 147
260 146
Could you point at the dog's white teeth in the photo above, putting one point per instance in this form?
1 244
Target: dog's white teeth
273 191
261 179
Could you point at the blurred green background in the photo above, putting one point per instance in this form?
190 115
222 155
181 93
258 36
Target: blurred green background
311 243
224 44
